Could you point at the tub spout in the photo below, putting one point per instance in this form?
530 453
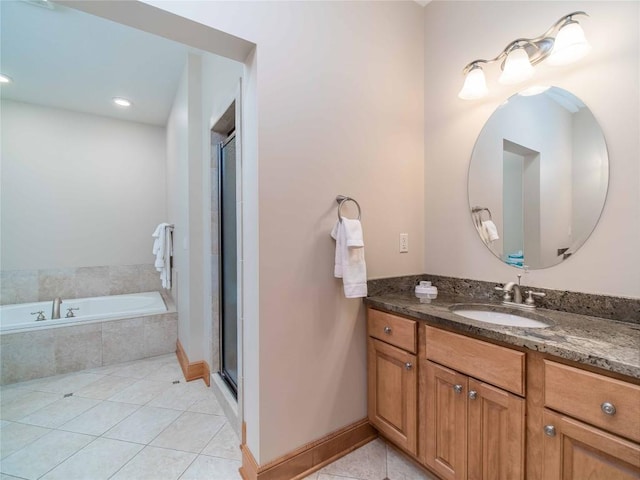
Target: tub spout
55 311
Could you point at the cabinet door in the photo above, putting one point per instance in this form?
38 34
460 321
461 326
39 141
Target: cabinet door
446 418
392 393
576 451
495 434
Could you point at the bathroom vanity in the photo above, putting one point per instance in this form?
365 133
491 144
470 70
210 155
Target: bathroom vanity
472 400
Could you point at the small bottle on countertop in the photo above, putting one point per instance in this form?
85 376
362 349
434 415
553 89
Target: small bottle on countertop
426 292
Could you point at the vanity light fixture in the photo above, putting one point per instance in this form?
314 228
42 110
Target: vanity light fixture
122 102
563 43
5 78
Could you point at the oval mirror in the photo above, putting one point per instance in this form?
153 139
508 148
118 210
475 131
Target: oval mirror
538 178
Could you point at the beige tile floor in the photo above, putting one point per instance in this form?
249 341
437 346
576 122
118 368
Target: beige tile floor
141 420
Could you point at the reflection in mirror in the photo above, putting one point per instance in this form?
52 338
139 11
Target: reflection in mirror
538 178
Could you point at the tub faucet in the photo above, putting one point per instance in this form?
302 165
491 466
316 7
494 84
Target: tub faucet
55 311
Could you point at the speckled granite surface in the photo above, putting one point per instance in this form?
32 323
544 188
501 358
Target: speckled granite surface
607 344
604 306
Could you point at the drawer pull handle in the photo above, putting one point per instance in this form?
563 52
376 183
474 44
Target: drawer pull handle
608 408
387 330
457 388
408 366
550 430
473 394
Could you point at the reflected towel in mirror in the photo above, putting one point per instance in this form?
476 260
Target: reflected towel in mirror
490 231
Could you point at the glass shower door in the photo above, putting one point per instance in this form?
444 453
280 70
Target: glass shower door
228 263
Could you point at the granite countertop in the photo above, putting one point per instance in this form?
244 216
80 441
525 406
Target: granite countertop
608 344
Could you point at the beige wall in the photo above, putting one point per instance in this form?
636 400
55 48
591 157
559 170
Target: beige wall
78 190
607 81
339 104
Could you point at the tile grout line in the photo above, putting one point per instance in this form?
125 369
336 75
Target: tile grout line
68 457
101 401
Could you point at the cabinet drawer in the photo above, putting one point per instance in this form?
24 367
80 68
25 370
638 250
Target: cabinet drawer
397 331
584 395
496 365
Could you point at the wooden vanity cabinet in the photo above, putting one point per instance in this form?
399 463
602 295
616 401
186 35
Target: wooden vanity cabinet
574 450
392 378
591 425
475 430
472 397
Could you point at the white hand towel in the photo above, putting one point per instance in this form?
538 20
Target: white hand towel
349 261
337 233
353 232
162 249
490 230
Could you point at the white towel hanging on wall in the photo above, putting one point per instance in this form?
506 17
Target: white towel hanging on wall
350 264
163 250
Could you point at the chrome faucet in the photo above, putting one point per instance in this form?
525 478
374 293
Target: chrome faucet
55 311
515 300
515 288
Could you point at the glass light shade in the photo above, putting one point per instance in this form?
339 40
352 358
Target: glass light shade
475 85
570 45
517 67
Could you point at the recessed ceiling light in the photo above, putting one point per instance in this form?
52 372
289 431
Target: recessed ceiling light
4 78
122 102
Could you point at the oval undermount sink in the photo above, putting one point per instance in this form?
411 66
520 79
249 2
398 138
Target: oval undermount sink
499 315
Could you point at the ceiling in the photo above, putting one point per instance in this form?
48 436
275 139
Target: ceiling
64 58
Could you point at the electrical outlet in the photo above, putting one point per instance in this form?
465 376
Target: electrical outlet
404 243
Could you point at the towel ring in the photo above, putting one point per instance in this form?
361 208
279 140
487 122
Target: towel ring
341 199
479 211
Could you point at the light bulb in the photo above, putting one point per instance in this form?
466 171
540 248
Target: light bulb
570 45
517 67
475 85
5 78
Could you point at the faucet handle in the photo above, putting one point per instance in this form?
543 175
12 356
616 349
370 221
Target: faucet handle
507 294
530 294
40 316
70 311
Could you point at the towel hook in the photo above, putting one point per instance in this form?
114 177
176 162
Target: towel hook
342 199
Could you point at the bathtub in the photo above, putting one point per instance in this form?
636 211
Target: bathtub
104 331
19 318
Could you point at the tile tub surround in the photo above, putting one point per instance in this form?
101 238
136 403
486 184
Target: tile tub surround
603 343
52 351
173 431
25 286
604 306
